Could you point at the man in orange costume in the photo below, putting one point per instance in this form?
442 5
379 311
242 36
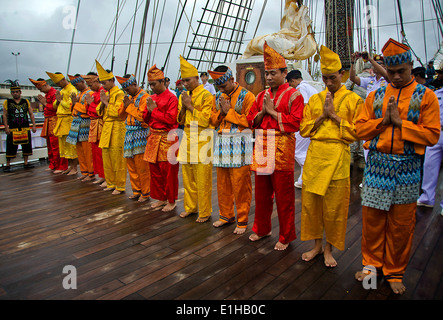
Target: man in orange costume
161 115
233 148
134 104
275 116
398 122
79 133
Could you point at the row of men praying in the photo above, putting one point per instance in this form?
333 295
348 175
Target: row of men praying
92 120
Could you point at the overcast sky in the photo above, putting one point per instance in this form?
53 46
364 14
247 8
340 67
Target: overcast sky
40 31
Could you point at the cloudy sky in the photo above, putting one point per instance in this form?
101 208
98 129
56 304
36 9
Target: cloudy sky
40 31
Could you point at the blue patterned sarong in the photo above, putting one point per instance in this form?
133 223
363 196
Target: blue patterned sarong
135 140
391 179
79 131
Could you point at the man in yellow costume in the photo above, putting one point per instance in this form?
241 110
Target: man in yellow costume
397 121
195 151
112 139
329 121
79 133
233 149
137 131
63 104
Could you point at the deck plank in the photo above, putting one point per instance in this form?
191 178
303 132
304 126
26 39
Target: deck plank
123 249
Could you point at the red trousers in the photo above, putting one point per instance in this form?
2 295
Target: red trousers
164 181
280 183
97 159
55 162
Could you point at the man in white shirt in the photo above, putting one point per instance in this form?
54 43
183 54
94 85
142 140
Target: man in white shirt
208 86
431 166
295 80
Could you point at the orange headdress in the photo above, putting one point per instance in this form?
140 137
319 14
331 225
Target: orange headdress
396 53
155 73
273 59
126 82
38 84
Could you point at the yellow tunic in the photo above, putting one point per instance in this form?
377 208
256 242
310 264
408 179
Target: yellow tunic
64 120
328 155
112 141
326 184
195 153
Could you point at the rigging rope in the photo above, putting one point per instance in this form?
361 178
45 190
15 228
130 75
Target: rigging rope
73 34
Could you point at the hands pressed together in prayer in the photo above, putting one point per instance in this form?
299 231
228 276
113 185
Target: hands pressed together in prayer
187 102
74 98
392 116
89 99
150 104
328 112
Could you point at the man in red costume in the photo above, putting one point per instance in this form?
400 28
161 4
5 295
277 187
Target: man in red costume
161 115
57 164
275 116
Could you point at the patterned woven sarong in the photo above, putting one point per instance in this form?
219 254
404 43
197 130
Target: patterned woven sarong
79 131
390 179
233 149
135 140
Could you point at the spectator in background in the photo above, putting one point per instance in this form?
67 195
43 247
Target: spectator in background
208 86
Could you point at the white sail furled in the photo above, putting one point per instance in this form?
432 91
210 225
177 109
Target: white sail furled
294 41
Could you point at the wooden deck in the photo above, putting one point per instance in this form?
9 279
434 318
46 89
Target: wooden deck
121 249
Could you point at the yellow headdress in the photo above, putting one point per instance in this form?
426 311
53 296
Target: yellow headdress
329 61
55 77
102 73
155 74
187 70
273 59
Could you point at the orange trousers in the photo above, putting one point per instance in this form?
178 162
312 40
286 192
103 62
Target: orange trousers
139 175
84 154
234 185
387 239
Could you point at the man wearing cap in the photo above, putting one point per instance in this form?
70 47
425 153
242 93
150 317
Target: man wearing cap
398 121
179 88
63 104
233 148
208 86
16 121
56 163
438 82
275 116
112 139
161 115
79 132
195 151
370 83
96 126
296 81
329 120
134 104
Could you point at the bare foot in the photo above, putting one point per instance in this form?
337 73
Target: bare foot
108 189
280 246
330 262
81 177
202 219
87 179
158 204
169 207
184 214
72 172
143 199
57 171
134 196
66 171
101 180
219 223
104 184
398 287
254 237
361 275
308 256
239 230
116 192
